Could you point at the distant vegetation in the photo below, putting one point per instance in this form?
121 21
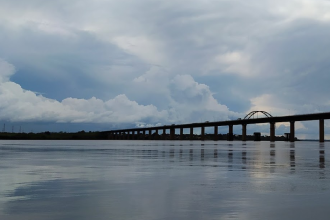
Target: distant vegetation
81 135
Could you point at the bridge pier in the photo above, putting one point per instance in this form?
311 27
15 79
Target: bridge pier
164 134
230 136
191 133
143 134
292 134
150 134
272 132
202 133
172 133
215 133
156 137
181 134
321 130
243 132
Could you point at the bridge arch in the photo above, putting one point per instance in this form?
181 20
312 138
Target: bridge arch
248 116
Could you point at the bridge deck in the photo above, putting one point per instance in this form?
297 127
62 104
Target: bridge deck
304 117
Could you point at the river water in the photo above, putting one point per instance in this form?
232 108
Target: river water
65 180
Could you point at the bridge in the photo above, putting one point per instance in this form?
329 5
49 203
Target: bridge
130 133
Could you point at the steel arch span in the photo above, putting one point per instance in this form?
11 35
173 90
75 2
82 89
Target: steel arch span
248 116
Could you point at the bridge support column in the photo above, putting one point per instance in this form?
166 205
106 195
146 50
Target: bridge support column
191 133
230 135
202 133
243 132
272 131
172 133
150 134
138 135
143 134
321 130
156 135
181 134
215 133
164 134
292 134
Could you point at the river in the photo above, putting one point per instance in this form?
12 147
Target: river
65 180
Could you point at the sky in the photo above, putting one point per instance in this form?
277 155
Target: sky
107 64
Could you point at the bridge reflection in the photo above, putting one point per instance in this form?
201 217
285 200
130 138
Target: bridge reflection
226 157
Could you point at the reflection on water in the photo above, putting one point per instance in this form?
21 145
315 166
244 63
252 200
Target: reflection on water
321 157
272 159
322 161
292 157
244 157
163 180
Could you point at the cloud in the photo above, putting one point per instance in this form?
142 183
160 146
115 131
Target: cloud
21 105
194 102
199 61
6 70
235 62
192 95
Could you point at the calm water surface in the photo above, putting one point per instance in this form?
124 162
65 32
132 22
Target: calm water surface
43 180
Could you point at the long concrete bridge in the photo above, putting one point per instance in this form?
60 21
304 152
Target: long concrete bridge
130 133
